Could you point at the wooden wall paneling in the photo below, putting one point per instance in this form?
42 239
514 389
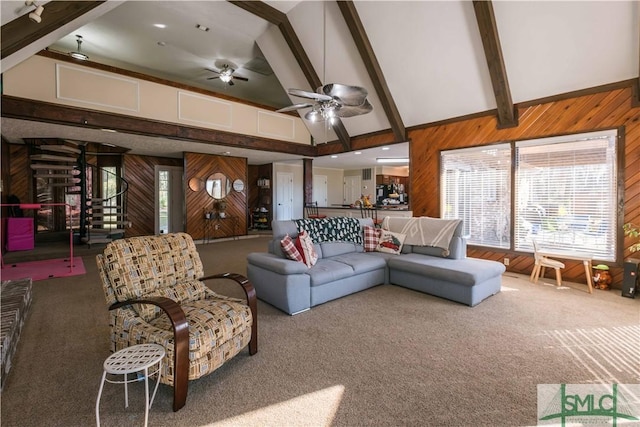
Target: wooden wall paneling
197 203
139 171
604 110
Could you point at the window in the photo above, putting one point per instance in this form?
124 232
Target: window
565 193
476 187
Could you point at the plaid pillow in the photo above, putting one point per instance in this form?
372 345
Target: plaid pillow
371 238
304 244
290 250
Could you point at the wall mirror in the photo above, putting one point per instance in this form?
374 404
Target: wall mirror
218 186
196 184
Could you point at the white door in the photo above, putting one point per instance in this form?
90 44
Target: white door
284 196
169 203
320 190
352 190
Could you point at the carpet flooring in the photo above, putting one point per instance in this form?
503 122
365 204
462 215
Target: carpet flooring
387 356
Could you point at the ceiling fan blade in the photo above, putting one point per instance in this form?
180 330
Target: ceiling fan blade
212 70
345 94
354 110
294 107
244 79
311 95
231 83
213 78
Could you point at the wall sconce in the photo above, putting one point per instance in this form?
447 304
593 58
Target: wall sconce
35 16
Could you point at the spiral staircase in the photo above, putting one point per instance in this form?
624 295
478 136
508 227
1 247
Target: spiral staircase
62 175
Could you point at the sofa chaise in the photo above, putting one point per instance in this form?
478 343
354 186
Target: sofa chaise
344 267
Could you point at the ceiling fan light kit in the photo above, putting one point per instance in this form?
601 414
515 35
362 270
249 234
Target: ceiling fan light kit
226 75
36 15
78 53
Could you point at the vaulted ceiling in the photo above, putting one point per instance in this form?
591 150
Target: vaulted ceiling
421 61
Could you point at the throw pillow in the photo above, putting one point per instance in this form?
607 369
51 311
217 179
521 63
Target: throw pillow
304 244
390 242
371 238
289 249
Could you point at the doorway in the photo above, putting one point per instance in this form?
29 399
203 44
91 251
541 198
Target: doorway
284 196
169 203
320 190
352 188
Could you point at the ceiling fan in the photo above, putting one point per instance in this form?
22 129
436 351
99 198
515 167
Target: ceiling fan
332 100
226 75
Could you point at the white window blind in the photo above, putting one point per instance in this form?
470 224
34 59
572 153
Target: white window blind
566 193
476 187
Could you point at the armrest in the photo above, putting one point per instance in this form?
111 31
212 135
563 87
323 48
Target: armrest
250 294
276 264
180 343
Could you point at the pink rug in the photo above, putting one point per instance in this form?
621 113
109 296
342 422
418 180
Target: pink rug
41 270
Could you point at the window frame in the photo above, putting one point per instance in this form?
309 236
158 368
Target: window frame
619 176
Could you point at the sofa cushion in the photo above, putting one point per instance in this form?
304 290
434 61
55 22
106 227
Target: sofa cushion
371 238
467 272
362 262
304 244
290 250
390 242
328 270
334 249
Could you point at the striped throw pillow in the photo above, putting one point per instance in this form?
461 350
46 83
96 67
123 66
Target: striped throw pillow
290 250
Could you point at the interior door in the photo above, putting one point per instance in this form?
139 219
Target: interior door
320 189
352 190
169 203
284 196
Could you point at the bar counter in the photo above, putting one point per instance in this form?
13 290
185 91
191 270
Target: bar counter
394 211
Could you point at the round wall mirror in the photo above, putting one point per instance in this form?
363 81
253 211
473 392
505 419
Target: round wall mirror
218 186
196 184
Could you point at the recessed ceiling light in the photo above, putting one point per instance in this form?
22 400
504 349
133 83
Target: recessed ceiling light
109 130
159 25
202 27
162 43
334 157
358 152
385 148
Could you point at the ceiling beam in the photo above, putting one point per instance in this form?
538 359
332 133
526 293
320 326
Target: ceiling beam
507 113
274 16
372 65
21 32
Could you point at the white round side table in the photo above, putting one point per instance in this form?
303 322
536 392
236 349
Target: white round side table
131 360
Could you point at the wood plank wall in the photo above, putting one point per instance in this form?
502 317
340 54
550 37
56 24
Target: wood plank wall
603 110
197 202
139 171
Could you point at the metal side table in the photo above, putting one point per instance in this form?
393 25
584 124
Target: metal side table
132 360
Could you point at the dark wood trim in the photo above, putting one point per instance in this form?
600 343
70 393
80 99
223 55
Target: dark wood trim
278 18
354 23
140 76
26 109
507 114
578 93
307 181
21 32
635 95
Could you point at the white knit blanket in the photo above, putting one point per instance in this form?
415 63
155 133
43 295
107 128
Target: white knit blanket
423 231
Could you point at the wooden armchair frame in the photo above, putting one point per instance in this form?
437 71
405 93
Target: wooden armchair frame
181 331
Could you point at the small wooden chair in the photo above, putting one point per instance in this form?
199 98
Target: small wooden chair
371 212
312 211
541 262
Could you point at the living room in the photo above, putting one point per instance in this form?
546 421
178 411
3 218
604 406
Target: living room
611 105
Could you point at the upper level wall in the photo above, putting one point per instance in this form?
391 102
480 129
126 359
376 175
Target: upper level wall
49 80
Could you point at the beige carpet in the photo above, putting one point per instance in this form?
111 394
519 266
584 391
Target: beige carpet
387 356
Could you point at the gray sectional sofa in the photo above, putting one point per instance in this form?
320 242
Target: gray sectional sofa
344 268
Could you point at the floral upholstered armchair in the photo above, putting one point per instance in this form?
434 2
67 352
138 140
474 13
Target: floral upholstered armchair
155 292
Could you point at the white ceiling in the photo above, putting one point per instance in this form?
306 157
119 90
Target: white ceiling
430 53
